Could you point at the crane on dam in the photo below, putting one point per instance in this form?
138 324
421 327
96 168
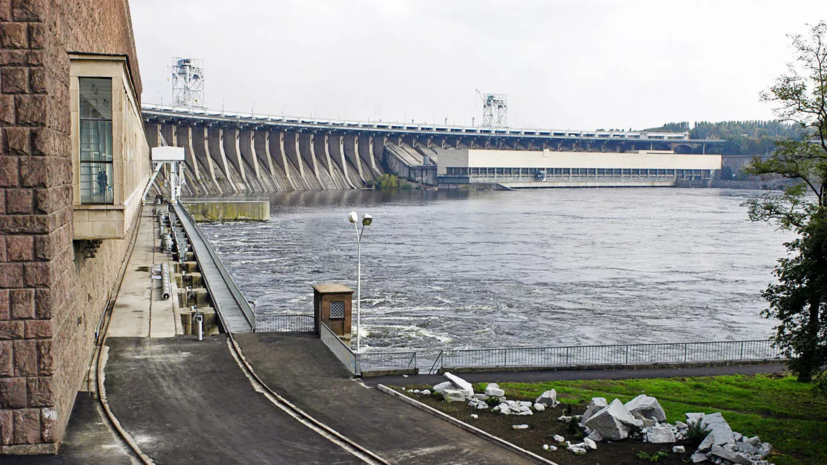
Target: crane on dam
494 110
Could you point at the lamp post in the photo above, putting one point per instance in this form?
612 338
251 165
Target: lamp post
366 221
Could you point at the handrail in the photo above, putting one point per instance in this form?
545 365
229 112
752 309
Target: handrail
437 361
609 345
234 291
605 355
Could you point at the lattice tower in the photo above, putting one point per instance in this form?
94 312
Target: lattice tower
188 83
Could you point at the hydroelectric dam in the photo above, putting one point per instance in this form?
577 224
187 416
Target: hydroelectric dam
234 153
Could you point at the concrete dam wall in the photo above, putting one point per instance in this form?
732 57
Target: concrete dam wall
239 160
244 153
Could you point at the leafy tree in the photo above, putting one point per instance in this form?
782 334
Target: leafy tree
799 300
385 182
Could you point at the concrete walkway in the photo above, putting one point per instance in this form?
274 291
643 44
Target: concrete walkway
304 371
187 402
573 375
139 310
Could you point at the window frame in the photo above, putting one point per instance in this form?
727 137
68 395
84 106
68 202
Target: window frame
110 163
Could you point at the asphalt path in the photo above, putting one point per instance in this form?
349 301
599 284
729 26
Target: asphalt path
186 402
304 371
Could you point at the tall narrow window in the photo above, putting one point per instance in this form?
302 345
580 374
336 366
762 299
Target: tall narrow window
96 141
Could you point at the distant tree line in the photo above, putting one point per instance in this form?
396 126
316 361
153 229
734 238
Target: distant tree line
742 137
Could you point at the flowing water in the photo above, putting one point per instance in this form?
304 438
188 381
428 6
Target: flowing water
521 268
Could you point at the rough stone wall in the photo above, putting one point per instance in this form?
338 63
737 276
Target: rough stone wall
51 298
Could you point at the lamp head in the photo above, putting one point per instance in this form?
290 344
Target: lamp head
352 217
367 220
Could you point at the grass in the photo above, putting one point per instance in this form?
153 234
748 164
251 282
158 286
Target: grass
777 408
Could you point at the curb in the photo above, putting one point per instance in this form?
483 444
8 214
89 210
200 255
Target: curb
461 424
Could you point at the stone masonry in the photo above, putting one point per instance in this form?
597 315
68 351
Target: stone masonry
51 297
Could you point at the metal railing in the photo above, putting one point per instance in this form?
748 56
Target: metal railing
277 323
339 349
236 293
608 355
387 361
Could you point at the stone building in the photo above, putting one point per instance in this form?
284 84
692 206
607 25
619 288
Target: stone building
73 166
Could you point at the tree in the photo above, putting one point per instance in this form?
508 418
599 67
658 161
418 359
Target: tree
799 300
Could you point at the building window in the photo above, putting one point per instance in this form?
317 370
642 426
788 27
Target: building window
337 310
96 141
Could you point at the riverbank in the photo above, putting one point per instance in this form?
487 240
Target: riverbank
775 407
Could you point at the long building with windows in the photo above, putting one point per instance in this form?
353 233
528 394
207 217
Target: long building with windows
512 169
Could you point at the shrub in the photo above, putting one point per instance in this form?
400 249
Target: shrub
696 433
652 457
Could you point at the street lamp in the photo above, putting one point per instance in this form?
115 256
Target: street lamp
366 221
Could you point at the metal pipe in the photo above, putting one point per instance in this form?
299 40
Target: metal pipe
165 281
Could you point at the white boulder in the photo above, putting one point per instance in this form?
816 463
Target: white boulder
660 435
719 429
694 417
559 438
548 398
595 405
520 426
644 406
461 384
590 444
539 407
679 450
494 390
425 392
613 422
453 395
595 436
443 386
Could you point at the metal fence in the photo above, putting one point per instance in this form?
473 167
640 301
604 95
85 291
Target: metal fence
276 323
616 355
387 361
339 349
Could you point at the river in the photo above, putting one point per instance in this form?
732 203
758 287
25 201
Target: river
522 268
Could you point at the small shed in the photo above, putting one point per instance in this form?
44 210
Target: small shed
333 305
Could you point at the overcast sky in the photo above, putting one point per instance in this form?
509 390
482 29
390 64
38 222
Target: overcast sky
563 64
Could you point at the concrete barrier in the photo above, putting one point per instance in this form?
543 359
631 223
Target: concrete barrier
249 210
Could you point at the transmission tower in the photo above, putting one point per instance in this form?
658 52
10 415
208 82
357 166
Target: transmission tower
494 109
188 89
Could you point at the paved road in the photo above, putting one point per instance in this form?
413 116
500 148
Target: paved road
567 375
187 402
303 370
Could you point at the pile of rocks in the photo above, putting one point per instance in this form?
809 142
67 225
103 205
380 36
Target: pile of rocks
724 446
457 389
642 418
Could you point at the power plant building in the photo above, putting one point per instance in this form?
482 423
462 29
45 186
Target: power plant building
548 168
